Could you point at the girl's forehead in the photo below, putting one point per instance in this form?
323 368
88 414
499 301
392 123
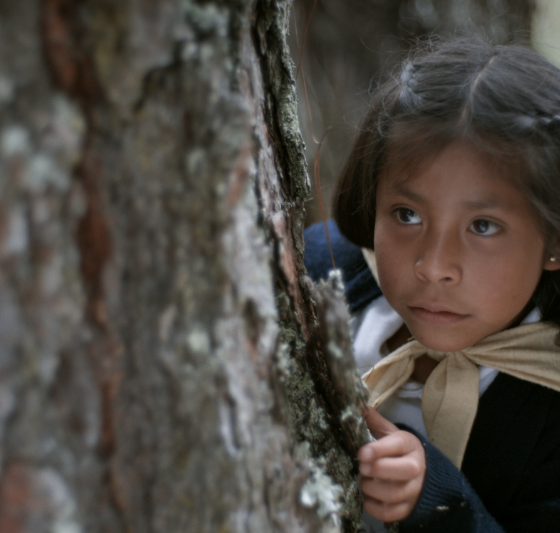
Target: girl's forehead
459 173
397 169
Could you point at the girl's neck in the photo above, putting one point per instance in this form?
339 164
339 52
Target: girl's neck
401 337
423 365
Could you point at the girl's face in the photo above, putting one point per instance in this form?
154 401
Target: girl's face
459 249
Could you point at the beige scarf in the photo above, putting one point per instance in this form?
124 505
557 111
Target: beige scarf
450 397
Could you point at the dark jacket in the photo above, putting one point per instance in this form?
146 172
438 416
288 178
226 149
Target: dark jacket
510 478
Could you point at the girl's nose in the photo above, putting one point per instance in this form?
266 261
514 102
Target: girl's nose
438 260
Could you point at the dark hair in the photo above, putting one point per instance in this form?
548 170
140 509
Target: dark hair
503 100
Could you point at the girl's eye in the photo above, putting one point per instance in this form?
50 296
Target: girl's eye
484 227
408 216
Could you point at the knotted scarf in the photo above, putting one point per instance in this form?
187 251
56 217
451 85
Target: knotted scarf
450 397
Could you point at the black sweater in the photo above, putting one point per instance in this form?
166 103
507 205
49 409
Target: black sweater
510 478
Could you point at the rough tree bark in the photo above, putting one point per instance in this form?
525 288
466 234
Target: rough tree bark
161 364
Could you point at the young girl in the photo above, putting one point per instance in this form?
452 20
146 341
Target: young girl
454 181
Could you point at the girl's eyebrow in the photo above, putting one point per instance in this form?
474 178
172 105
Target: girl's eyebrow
401 190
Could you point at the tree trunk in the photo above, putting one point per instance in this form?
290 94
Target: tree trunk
161 364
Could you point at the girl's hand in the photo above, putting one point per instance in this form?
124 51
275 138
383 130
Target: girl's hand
392 470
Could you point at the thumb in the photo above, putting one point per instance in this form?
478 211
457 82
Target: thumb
378 425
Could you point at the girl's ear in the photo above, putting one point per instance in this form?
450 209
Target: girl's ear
552 262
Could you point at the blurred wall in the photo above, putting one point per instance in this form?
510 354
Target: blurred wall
545 30
352 45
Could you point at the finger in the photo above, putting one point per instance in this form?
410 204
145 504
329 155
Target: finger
378 426
386 491
396 469
393 445
391 492
396 444
387 512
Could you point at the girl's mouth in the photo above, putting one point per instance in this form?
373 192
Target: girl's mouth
439 317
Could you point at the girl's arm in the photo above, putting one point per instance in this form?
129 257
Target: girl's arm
518 469
446 501
407 480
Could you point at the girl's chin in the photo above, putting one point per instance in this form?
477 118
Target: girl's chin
443 343
443 347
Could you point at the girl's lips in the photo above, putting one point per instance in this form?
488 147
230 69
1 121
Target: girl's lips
440 317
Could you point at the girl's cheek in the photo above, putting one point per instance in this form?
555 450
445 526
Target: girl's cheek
391 260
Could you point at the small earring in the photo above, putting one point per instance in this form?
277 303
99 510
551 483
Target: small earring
552 259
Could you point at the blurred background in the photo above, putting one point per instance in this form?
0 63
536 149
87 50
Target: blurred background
343 49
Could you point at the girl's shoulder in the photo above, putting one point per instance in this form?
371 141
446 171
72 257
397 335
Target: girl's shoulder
359 286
